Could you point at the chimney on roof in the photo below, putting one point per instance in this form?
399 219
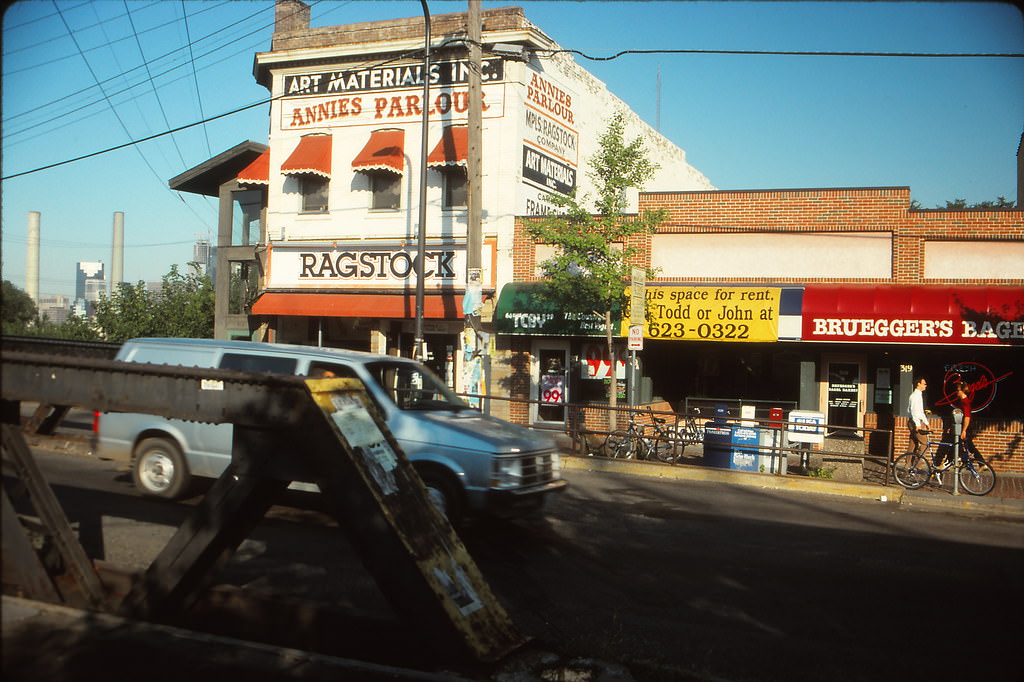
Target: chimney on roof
291 15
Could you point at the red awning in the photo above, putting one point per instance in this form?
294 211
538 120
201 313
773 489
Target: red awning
313 155
383 151
451 149
914 314
257 172
399 306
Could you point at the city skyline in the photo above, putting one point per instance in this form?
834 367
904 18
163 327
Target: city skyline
80 78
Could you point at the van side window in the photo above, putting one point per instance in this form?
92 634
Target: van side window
258 363
323 370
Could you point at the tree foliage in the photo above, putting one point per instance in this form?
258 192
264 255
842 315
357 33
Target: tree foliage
595 250
961 204
17 308
183 307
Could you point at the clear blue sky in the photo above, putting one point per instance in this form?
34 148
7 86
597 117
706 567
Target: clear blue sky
946 127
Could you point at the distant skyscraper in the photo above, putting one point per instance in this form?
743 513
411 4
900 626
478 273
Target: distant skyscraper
84 272
202 255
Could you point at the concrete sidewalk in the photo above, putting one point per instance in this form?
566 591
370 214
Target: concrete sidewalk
1006 499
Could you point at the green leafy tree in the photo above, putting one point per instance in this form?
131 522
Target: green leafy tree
185 305
19 311
595 251
127 313
961 204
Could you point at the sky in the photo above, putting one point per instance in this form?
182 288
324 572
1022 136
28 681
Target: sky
84 76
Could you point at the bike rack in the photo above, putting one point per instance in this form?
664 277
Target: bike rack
325 431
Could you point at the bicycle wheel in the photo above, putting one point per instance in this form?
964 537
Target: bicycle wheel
911 471
977 477
663 450
620 445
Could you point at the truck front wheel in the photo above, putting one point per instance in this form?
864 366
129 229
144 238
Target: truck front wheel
443 493
160 469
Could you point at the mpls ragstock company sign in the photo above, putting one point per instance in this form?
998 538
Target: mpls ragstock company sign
366 266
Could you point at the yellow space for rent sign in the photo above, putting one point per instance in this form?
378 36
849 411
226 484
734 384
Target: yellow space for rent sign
738 314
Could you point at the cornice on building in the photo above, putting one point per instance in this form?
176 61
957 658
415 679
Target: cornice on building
309 46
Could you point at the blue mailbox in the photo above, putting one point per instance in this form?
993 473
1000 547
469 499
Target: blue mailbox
731 446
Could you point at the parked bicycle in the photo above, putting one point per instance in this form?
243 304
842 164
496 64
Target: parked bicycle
913 471
663 443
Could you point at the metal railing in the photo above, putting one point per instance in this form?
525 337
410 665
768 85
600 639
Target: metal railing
586 427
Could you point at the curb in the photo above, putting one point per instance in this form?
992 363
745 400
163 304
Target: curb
894 494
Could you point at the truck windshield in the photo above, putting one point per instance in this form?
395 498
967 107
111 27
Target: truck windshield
414 387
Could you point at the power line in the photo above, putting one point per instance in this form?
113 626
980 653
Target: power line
134 142
796 53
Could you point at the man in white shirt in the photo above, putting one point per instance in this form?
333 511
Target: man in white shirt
918 420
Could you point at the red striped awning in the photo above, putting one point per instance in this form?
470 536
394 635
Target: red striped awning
257 172
383 151
397 306
452 148
312 155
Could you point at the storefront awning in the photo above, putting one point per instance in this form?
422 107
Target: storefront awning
400 306
313 155
914 314
523 308
452 149
257 172
383 151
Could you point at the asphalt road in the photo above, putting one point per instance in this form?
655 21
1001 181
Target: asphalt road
671 580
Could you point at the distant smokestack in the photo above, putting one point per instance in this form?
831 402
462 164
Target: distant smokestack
32 261
117 256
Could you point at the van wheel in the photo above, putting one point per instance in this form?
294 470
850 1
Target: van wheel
443 494
160 469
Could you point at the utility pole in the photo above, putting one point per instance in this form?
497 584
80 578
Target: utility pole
473 353
474 242
421 234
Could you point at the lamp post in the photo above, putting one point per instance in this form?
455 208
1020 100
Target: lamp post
421 240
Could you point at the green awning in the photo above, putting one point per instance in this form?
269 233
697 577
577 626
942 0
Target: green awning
522 309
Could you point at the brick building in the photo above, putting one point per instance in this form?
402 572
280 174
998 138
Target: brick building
344 163
824 299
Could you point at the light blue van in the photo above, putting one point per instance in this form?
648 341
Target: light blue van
470 462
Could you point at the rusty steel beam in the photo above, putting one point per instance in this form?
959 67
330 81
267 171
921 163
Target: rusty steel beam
192 393
326 431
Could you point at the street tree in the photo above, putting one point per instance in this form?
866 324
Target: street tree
596 248
19 311
183 307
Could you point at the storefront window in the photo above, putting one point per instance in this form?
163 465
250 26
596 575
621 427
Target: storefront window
244 286
245 218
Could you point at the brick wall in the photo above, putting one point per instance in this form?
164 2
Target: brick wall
1000 443
869 209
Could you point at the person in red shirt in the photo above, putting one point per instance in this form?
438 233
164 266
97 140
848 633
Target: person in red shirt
962 401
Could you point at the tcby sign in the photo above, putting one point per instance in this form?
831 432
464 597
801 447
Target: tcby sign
915 314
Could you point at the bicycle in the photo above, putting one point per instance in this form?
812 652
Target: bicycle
675 439
913 471
663 444
627 444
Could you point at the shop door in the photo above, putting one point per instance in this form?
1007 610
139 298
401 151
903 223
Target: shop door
844 394
552 383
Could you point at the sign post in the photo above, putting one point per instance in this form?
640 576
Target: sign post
637 286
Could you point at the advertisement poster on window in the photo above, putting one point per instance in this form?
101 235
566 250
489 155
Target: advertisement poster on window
552 388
